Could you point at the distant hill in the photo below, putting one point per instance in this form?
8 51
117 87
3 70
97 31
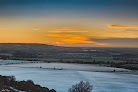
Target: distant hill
10 48
34 49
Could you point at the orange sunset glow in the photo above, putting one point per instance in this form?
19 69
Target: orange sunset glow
73 25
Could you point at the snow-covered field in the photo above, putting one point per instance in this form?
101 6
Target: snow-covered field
61 76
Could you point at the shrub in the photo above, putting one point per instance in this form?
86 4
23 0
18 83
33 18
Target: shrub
81 87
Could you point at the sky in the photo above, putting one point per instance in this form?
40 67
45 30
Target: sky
83 23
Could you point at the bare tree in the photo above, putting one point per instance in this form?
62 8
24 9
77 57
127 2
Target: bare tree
81 87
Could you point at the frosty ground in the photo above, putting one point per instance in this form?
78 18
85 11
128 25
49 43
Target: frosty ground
61 76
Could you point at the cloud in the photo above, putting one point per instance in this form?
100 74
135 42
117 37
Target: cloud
119 42
122 26
35 29
129 30
74 39
67 31
70 35
70 38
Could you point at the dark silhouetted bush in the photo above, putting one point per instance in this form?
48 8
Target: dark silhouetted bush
81 87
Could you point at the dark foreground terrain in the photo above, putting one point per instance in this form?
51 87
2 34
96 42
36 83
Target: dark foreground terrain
9 84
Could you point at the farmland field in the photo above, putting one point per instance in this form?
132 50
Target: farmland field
104 59
131 66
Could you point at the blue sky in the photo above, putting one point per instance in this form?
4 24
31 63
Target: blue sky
89 7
